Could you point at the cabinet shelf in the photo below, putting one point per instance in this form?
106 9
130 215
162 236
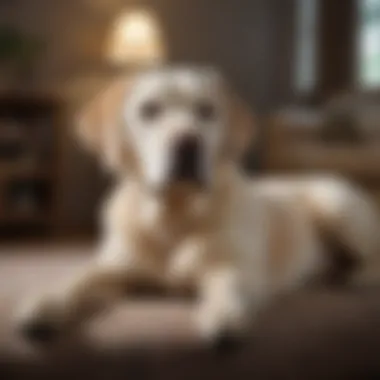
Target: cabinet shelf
29 158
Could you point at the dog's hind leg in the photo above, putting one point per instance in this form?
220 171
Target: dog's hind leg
350 218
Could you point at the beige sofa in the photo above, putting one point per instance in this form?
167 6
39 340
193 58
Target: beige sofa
341 137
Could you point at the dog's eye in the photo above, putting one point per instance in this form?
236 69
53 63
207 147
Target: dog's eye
205 111
151 110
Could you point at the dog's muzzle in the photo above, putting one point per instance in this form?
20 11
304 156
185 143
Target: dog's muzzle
187 160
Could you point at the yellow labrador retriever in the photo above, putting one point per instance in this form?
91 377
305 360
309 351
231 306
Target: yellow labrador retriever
183 216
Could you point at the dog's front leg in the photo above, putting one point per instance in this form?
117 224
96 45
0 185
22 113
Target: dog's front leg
48 316
223 307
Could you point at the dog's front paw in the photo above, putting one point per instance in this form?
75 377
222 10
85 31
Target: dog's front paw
36 331
41 321
221 328
226 342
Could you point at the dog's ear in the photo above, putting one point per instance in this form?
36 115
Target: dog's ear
242 125
100 125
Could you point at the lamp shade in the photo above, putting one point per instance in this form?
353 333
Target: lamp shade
136 39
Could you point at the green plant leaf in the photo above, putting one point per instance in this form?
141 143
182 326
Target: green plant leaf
17 48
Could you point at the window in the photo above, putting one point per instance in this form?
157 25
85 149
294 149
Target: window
306 45
369 43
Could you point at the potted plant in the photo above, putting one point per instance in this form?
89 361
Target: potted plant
18 54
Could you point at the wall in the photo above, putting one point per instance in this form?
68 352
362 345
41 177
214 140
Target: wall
251 40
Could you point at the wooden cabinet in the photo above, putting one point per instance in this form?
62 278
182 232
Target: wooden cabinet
29 161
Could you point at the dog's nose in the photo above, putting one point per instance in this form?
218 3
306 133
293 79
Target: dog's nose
187 159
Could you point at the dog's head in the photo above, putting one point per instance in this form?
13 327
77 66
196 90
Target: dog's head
169 126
